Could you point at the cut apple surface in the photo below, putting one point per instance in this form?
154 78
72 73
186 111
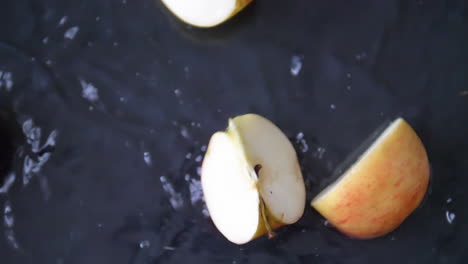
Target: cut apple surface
382 188
205 13
251 179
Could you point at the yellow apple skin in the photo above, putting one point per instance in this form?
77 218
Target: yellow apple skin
382 189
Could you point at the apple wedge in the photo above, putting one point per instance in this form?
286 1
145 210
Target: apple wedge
251 179
205 13
382 188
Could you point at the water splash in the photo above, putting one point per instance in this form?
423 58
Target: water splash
174 198
303 146
196 193
10 179
8 223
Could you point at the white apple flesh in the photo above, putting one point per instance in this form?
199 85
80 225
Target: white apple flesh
251 179
205 13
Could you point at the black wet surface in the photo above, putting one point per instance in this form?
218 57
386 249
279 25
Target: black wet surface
163 88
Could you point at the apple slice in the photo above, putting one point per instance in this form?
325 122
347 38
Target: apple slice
205 13
251 179
382 188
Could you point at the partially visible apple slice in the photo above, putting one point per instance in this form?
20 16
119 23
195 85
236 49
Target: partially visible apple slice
251 179
205 13
382 188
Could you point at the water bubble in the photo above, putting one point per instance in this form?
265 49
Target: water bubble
198 158
203 148
188 155
187 177
98 18
199 171
332 106
449 200
71 32
348 87
115 44
296 65
348 75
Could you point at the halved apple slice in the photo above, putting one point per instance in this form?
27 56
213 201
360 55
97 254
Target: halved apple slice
382 188
251 179
205 13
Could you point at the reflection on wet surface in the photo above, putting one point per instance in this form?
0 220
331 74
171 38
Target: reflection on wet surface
113 109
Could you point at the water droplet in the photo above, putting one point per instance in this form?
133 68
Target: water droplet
169 248
188 155
299 136
63 20
6 80
71 32
115 43
203 148
45 40
296 65
147 158
199 171
184 132
187 177
450 217
145 244
320 152
177 92
348 75
8 217
332 106
10 179
348 87
449 200
360 56
198 158
89 92
98 18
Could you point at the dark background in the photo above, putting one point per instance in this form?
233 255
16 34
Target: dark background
164 88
